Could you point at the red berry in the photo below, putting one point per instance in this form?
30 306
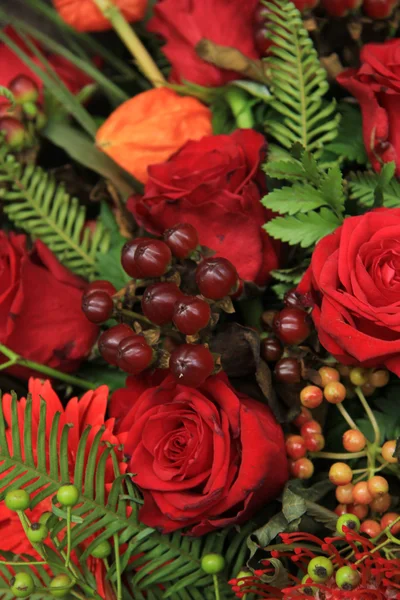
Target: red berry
158 302
340 8
388 519
13 130
191 364
370 528
381 504
340 474
292 325
271 349
288 370
354 440
310 428
7 110
314 442
293 299
379 9
151 259
344 493
97 306
261 15
311 396
304 416
305 5
341 509
182 239
295 446
134 354
361 493
128 253
302 468
359 510
262 41
111 339
216 278
335 392
103 285
191 314
24 89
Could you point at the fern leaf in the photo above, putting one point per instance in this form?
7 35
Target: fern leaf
349 144
300 197
298 83
303 229
37 204
363 186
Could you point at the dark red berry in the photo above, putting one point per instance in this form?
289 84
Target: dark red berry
13 130
182 239
97 306
216 278
292 325
103 285
340 8
293 299
7 110
158 302
24 89
271 349
191 314
379 9
111 339
305 5
261 15
134 354
191 364
128 253
288 370
262 41
151 259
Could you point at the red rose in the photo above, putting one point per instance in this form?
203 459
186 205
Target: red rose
183 23
376 85
215 184
40 306
204 458
354 280
11 66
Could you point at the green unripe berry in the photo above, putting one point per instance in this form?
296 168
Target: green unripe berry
308 589
347 520
347 578
22 585
320 569
102 550
17 500
37 532
212 563
358 376
60 586
68 495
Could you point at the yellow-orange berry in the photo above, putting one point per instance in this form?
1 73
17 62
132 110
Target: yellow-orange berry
340 473
311 396
354 440
388 519
388 449
361 493
379 378
328 374
371 528
335 392
359 510
344 493
358 376
381 504
378 485
302 468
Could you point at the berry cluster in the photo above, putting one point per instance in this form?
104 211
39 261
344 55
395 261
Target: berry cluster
167 269
19 123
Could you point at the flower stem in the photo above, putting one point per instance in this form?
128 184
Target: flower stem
216 587
346 416
16 359
131 41
370 415
23 563
117 566
239 103
67 559
338 455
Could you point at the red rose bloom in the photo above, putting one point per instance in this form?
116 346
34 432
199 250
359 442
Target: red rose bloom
11 66
376 85
40 306
204 458
354 280
183 23
216 185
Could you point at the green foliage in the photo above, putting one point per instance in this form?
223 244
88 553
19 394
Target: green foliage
34 202
5 93
109 264
40 576
373 189
349 143
313 205
298 83
172 561
288 278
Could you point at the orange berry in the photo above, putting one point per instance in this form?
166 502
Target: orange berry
377 486
335 392
388 519
341 509
368 389
328 374
354 440
344 493
310 428
361 493
311 396
303 417
303 468
379 378
381 504
295 447
359 510
340 474
388 449
371 528
315 442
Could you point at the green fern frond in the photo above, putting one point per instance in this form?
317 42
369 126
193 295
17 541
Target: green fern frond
298 83
172 561
363 186
6 93
34 201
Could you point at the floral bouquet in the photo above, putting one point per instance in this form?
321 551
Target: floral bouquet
200 300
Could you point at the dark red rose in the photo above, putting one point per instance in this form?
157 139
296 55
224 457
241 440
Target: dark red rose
376 85
354 280
11 66
204 458
40 306
215 184
183 23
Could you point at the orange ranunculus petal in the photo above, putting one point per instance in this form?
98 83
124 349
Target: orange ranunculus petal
151 127
84 15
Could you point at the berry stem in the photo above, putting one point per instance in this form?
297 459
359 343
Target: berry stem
131 41
136 316
338 455
67 559
387 532
346 416
16 359
23 563
239 103
370 415
216 587
117 566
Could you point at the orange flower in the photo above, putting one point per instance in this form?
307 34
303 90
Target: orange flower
150 127
84 15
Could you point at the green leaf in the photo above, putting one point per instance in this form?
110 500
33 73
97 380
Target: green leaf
300 198
332 189
293 505
289 169
387 174
109 264
303 229
349 143
363 186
